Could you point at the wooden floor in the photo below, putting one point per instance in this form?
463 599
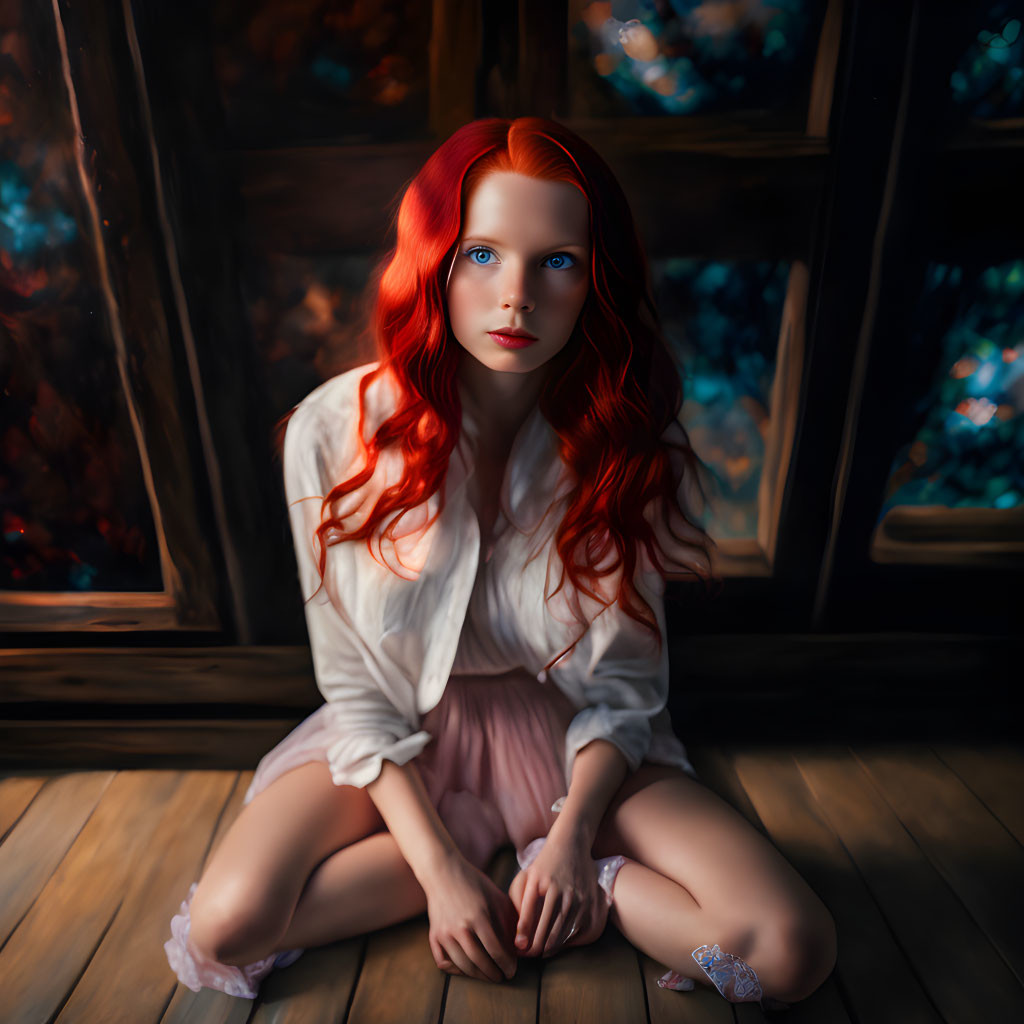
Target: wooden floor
916 849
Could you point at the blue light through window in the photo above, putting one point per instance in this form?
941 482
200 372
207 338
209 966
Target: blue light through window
969 448
722 322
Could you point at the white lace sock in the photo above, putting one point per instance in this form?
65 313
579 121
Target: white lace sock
195 971
734 978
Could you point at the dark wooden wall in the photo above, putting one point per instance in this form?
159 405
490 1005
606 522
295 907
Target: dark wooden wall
861 190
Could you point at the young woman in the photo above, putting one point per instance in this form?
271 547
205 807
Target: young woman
483 520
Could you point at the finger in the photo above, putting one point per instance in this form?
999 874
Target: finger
547 914
439 955
453 949
485 967
582 937
515 891
508 916
591 925
527 914
568 913
560 926
496 951
441 958
510 920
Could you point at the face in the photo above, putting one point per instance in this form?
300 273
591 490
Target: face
523 262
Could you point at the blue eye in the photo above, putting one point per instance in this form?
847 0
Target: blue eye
480 254
562 256
479 250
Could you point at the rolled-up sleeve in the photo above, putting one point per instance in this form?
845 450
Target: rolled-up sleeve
368 725
624 681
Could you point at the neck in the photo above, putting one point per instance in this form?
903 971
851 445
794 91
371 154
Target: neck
499 402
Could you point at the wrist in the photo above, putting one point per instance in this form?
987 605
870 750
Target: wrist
438 863
599 769
573 828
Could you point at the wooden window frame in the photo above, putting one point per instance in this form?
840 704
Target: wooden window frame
143 347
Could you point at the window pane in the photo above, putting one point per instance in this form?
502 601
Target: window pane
76 516
641 57
969 448
988 81
722 321
339 70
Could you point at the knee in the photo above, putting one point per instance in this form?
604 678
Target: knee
796 955
228 926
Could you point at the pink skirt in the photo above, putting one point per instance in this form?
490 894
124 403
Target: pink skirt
493 769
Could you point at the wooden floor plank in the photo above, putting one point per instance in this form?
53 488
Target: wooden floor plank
232 809
129 970
507 1002
824 1006
964 975
316 988
42 836
871 970
995 774
980 861
595 984
715 768
399 982
52 945
915 833
470 1001
749 1013
16 793
207 1006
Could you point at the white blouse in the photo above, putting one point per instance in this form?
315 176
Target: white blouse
384 645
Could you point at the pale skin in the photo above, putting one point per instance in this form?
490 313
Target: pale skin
308 862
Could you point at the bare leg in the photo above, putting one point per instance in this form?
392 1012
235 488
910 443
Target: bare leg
703 874
662 919
365 886
270 862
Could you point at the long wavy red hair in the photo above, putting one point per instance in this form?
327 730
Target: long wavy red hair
610 395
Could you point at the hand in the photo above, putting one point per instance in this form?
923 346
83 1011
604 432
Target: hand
556 891
471 922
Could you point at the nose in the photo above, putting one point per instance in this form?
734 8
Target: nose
516 292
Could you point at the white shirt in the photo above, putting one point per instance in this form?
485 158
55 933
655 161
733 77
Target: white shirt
384 645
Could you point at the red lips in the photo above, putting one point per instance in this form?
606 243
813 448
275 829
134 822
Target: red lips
518 340
514 332
512 337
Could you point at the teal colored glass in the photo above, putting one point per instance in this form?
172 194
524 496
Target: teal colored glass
722 319
968 446
691 57
988 80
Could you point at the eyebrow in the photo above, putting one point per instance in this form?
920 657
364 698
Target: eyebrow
552 248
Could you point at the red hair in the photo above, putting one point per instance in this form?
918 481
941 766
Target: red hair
610 395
